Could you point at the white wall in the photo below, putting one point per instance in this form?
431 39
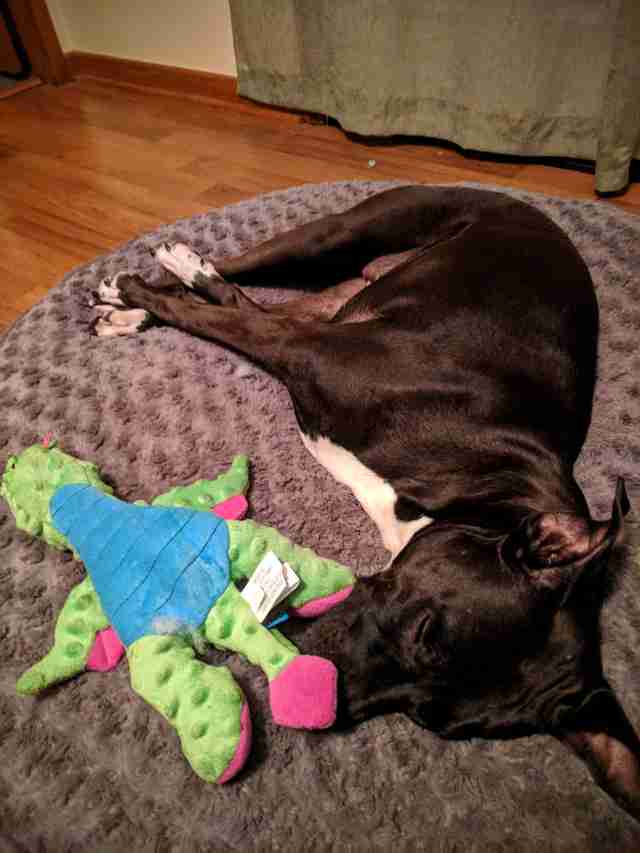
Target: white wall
192 34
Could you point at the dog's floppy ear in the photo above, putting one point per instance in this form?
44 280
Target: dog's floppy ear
599 732
555 548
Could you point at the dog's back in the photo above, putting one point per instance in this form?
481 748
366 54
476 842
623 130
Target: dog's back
463 376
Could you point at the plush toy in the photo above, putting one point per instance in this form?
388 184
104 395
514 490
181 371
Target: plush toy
162 581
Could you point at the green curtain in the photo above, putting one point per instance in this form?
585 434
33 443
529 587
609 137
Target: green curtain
525 77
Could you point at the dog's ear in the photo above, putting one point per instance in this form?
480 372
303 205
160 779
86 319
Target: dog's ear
556 548
599 732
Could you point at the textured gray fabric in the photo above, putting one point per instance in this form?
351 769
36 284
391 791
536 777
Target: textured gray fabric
505 76
89 766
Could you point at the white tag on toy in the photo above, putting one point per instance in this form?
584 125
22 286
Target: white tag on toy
270 584
292 579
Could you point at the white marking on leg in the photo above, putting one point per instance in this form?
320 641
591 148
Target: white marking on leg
184 263
109 292
376 496
112 322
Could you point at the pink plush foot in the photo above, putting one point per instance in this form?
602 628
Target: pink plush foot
318 606
305 694
106 651
233 509
242 750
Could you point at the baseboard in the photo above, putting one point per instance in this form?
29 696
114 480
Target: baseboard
131 73
19 86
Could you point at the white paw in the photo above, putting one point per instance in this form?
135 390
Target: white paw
109 292
184 263
112 322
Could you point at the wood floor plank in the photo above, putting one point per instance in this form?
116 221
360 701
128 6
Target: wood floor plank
96 200
87 166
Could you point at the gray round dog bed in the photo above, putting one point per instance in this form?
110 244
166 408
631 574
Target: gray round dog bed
88 766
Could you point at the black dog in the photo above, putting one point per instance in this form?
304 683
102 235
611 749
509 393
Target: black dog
450 385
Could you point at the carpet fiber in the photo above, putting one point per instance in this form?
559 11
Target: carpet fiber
89 767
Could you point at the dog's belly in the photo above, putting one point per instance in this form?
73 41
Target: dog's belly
376 496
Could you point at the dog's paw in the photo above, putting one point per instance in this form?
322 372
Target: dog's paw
186 264
108 292
111 322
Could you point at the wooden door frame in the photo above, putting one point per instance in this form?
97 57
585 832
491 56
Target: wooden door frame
33 22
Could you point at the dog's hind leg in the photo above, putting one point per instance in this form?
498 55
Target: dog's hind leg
339 246
203 278
186 264
108 293
352 248
342 244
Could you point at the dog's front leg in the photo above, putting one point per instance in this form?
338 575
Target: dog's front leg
112 316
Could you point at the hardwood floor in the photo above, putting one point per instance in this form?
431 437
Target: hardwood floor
86 166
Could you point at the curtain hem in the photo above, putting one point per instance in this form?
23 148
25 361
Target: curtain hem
497 133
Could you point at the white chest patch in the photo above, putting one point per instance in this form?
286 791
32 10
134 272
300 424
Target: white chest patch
375 495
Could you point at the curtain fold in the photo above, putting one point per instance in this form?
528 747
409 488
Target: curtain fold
502 76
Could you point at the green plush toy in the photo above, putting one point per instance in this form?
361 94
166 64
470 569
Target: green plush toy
162 580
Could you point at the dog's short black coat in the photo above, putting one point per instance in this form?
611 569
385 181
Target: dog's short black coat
461 371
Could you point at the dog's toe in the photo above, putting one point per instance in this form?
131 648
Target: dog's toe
112 322
109 291
103 310
184 263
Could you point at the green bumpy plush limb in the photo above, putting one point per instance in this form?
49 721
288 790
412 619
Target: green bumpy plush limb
203 703
231 624
203 494
78 623
30 481
249 542
284 641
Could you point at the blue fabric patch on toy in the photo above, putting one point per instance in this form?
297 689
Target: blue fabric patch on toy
156 570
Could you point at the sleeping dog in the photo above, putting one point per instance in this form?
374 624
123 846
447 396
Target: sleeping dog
442 367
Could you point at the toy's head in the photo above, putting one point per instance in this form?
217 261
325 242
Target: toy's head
30 480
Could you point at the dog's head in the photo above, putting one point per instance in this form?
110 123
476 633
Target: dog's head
471 634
